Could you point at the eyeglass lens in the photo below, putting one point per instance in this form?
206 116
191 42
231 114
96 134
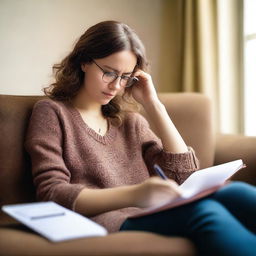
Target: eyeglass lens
124 81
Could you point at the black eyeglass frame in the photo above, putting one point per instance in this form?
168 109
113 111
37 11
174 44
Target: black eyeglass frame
130 79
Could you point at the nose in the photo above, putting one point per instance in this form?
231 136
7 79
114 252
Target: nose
115 85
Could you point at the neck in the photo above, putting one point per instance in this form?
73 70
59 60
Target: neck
85 105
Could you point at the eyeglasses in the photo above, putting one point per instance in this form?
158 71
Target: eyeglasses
110 77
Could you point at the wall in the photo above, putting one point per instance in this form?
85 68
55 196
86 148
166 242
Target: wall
35 34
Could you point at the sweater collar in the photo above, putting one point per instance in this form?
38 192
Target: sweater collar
105 139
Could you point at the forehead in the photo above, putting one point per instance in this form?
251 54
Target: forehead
123 61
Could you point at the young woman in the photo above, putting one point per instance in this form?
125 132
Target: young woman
92 155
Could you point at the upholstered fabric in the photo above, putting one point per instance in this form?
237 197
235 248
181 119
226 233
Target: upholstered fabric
18 242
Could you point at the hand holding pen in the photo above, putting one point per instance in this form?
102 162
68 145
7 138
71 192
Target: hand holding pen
161 174
154 191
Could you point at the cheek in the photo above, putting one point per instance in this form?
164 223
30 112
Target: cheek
92 81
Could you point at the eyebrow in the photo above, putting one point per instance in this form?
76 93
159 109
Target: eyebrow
117 71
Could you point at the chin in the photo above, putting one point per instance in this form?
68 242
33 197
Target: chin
105 102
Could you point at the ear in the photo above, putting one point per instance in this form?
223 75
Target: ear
84 67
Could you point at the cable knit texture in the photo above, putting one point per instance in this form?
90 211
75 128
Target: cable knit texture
67 156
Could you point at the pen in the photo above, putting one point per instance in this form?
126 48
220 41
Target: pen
160 172
47 216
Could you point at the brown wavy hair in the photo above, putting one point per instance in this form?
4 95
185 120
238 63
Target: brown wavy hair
99 41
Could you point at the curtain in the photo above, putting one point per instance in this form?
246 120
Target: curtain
211 56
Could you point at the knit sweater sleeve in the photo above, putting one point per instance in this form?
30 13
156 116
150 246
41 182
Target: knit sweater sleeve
177 166
44 145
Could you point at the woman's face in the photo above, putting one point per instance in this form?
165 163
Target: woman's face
99 91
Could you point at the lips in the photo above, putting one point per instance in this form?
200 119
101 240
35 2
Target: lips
108 94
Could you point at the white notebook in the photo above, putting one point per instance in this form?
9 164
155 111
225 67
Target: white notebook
53 221
199 184
209 177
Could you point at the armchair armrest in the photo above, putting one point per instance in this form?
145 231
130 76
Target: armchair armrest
232 147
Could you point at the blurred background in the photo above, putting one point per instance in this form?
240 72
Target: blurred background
206 46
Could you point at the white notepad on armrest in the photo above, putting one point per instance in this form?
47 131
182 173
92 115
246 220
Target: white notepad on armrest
54 221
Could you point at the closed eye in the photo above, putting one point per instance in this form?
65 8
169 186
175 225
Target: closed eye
110 74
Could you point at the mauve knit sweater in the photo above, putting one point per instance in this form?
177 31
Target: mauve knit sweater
67 156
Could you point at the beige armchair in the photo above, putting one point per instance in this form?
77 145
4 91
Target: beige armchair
191 114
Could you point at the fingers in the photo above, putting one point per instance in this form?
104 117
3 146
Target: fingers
169 185
144 83
142 75
174 187
156 191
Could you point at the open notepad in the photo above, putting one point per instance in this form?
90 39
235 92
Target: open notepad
200 184
53 221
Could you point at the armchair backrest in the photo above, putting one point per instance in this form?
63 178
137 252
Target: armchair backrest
190 112
192 115
15 174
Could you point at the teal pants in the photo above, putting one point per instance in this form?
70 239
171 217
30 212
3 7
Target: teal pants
222 224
